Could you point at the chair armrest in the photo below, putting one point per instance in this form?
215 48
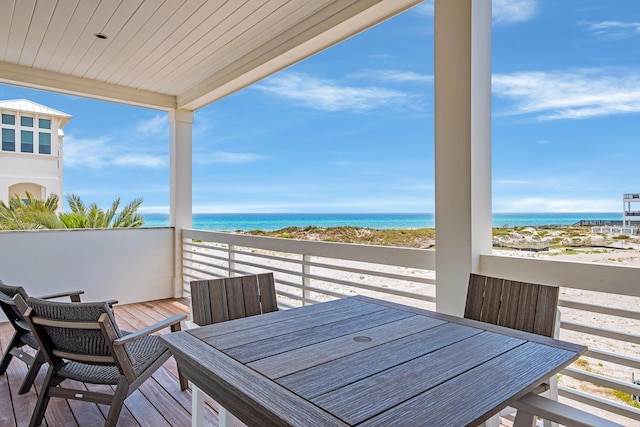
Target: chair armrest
170 322
74 295
532 405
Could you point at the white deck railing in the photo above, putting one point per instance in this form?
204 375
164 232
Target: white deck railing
307 272
310 271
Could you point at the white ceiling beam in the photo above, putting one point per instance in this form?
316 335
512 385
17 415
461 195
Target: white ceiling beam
34 78
350 21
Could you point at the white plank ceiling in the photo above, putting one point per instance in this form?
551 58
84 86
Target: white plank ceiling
170 53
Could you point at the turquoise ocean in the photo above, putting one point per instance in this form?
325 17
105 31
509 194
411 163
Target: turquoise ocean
277 221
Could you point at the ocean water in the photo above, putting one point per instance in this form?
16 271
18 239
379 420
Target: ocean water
275 221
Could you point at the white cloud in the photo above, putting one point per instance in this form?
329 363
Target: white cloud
84 152
504 12
328 95
144 145
396 76
344 163
140 160
510 182
102 152
569 94
613 30
513 11
540 204
156 125
228 157
425 8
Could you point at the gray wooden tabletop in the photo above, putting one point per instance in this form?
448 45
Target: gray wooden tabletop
365 362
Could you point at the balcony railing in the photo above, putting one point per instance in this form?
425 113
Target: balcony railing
309 271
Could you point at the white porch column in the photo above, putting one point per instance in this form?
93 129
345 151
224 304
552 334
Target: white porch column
180 127
462 78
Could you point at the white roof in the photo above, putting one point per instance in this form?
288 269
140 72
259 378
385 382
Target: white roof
171 54
27 106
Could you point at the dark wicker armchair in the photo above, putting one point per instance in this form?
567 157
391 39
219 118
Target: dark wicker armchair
81 341
22 336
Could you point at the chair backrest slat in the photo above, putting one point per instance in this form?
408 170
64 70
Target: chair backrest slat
200 293
524 306
510 298
217 303
491 305
219 300
250 298
545 318
268 296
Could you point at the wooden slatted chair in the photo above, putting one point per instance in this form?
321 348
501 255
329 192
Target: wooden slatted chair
527 307
22 336
82 342
523 306
219 300
223 299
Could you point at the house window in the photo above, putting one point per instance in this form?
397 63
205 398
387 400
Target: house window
26 141
8 119
44 143
44 123
8 140
19 133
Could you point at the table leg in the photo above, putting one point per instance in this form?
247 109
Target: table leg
225 418
197 406
492 422
524 419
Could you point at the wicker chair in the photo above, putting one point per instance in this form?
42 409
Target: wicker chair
82 342
22 336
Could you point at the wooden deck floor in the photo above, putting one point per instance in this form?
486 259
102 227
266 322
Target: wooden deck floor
158 402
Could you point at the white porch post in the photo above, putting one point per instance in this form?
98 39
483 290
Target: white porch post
462 78
180 127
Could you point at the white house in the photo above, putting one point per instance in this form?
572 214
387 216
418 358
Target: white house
31 152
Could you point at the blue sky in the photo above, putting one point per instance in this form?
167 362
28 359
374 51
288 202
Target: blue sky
351 129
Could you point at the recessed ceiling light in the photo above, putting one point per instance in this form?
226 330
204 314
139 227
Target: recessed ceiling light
100 36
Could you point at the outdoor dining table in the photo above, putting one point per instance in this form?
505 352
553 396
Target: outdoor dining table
360 361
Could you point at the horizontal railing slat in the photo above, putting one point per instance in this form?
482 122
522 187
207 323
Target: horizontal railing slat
602 332
601 380
613 358
593 308
385 255
599 402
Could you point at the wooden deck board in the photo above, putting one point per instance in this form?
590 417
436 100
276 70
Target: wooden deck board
159 401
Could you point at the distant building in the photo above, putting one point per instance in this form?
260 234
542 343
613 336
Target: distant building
630 209
31 152
630 217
